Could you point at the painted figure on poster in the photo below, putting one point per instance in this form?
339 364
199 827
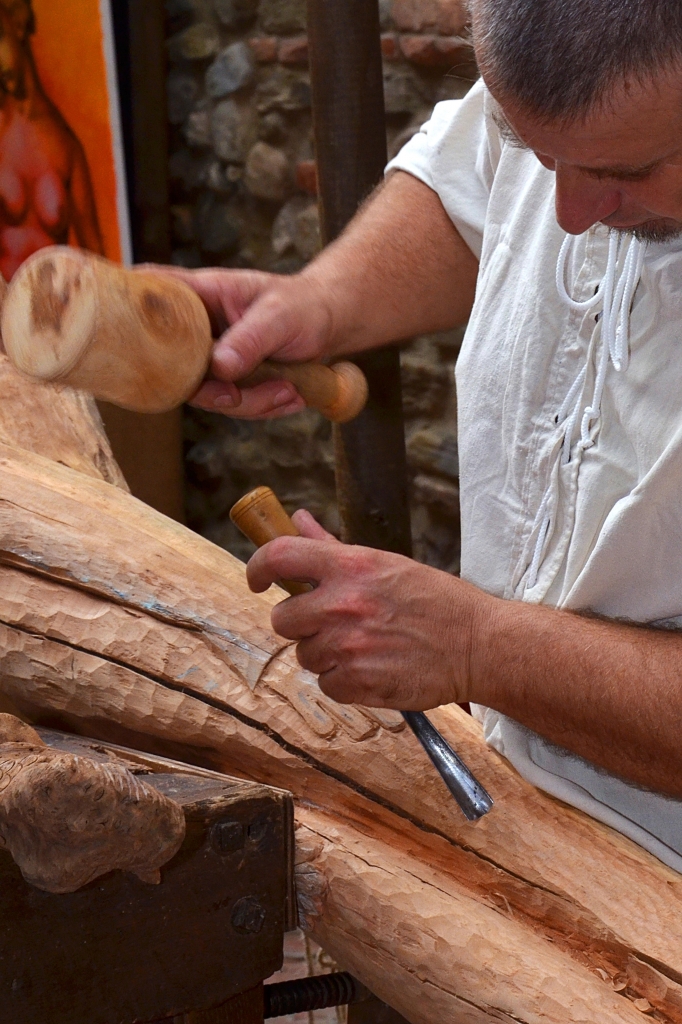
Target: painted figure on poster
46 194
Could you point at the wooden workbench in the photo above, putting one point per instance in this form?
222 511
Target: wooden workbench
194 949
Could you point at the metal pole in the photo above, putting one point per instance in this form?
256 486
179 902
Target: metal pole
350 142
371 468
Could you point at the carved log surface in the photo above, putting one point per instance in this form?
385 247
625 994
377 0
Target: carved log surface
67 820
120 624
57 422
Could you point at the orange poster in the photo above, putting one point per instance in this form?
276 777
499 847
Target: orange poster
61 154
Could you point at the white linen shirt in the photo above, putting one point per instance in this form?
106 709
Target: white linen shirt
615 544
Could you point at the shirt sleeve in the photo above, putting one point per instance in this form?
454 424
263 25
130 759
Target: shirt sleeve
456 154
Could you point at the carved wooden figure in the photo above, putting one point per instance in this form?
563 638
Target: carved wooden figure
67 820
139 339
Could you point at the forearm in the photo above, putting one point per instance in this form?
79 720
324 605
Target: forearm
608 691
400 268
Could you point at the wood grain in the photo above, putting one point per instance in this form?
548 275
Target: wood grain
58 422
122 625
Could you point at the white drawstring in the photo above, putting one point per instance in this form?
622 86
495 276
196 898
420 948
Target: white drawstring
616 297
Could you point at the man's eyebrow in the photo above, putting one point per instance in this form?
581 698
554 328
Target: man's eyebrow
506 131
621 172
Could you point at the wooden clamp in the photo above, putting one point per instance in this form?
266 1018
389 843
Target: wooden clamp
138 339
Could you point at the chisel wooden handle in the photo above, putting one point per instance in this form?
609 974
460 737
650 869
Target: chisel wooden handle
260 517
136 338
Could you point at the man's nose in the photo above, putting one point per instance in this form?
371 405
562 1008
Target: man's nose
582 201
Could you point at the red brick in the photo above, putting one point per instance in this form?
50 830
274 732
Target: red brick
448 17
436 51
306 176
264 49
389 46
294 51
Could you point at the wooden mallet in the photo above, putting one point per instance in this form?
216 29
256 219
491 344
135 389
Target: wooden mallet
136 338
260 517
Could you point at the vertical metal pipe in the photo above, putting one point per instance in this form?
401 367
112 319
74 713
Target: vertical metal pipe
350 143
371 468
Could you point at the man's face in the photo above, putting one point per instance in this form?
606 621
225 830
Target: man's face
621 165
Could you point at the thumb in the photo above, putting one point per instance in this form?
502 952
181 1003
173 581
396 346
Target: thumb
265 328
308 527
286 322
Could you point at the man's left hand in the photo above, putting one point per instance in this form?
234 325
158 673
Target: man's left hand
378 629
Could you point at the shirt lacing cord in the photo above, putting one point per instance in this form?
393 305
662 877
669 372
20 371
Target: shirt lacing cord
616 293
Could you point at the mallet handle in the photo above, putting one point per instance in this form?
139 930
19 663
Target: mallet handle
339 391
260 516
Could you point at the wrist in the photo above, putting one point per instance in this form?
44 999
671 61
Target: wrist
487 630
336 290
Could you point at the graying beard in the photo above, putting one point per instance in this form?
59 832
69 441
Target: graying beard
652 233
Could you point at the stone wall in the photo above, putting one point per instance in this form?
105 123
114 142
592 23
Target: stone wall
243 191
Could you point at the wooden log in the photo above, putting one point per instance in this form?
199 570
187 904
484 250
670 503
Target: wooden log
58 422
120 624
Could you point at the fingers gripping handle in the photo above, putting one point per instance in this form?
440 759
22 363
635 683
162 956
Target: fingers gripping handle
260 516
339 392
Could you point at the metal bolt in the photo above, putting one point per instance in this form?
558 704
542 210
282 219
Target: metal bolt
227 837
248 915
258 830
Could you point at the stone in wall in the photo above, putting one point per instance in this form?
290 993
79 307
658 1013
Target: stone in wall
448 17
267 174
194 43
283 17
232 69
233 14
244 184
297 229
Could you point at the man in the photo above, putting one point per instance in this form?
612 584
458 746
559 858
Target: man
547 206
45 190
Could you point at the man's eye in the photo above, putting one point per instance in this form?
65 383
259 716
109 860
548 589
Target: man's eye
642 175
639 175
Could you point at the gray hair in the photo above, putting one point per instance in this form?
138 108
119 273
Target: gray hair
560 58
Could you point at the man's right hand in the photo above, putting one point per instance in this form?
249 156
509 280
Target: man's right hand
399 269
256 316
